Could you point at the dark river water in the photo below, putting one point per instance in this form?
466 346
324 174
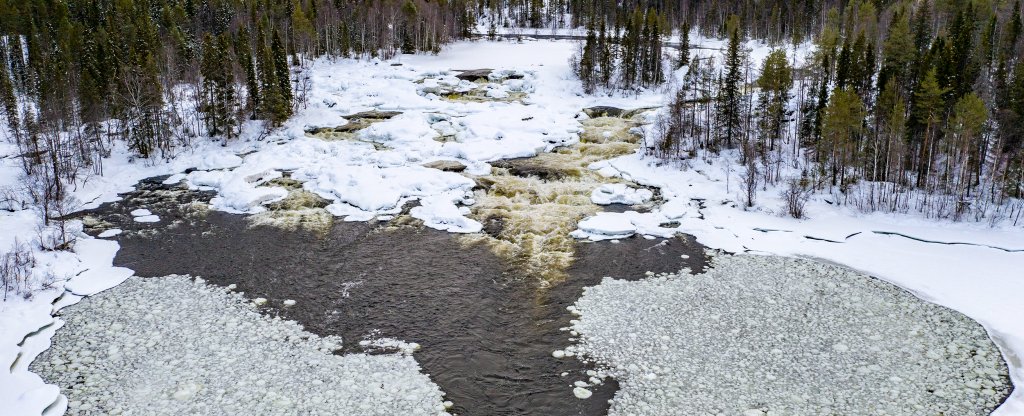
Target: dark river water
486 333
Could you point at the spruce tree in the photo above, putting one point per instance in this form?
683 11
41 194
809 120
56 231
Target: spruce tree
273 106
8 101
729 92
586 64
684 46
606 59
284 85
243 51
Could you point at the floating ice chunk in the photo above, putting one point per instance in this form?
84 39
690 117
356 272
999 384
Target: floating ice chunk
289 302
441 213
391 344
110 233
607 225
147 218
649 335
141 212
618 193
137 349
582 393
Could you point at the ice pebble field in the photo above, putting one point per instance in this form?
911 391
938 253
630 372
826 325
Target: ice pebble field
125 351
767 335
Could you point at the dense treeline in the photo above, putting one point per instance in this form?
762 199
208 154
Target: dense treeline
613 60
914 107
774 20
78 77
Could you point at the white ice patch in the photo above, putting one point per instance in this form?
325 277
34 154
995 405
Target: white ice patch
110 233
440 212
141 212
147 218
618 193
615 225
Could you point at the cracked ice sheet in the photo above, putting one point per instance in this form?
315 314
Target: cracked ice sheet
980 282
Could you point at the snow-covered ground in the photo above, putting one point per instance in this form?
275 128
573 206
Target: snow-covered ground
371 174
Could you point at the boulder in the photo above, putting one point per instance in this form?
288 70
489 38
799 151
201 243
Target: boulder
474 74
446 165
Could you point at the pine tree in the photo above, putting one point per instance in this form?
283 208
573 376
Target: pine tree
898 55
964 129
218 87
844 66
408 30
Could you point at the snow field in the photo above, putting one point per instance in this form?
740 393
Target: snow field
175 345
759 335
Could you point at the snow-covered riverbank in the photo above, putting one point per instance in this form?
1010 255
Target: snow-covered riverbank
969 267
